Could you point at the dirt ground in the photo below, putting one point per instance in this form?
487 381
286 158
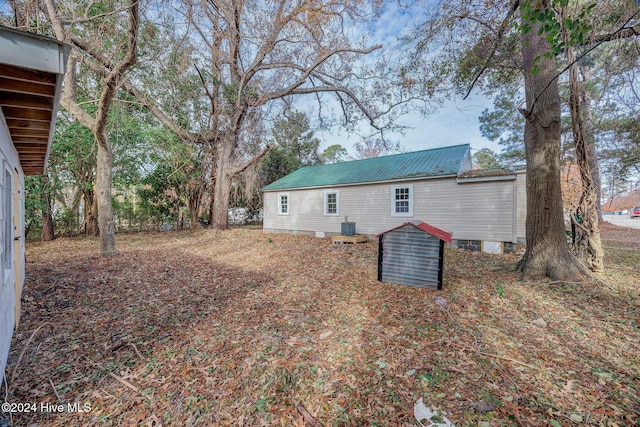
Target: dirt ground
246 329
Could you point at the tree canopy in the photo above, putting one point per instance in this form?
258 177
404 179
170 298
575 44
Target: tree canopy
293 146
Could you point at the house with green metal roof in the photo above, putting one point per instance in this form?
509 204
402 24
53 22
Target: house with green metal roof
483 209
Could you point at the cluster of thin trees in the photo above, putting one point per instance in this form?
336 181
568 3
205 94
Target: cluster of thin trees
207 80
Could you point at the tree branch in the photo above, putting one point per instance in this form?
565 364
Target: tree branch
622 32
319 61
67 99
199 138
335 89
292 89
100 65
267 47
105 63
117 72
86 18
252 161
204 85
496 42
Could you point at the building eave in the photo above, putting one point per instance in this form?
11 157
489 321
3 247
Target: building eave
357 184
510 177
32 71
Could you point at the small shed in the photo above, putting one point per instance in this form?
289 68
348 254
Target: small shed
412 254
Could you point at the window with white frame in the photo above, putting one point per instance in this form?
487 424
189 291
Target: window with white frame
331 203
402 200
283 204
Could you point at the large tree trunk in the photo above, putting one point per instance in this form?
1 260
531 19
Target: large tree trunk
211 208
48 232
103 189
221 202
195 197
222 186
547 253
592 155
212 183
225 171
90 213
587 244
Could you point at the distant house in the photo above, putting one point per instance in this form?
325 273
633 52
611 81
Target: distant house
481 209
31 74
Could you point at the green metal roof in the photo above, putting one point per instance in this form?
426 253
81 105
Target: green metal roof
419 164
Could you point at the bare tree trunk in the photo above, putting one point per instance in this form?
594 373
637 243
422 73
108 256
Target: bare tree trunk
90 213
104 163
224 177
547 253
213 185
221 203
104 167
222 186
195 197
48 232
587 244
211 209
592 155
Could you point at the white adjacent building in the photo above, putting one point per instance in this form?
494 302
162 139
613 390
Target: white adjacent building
481 209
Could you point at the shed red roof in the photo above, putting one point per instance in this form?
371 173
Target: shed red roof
421 225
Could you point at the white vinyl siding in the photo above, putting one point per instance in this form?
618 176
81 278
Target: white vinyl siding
331 203
470 211
402 200
9 289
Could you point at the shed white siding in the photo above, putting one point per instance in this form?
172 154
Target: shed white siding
9 286
482 210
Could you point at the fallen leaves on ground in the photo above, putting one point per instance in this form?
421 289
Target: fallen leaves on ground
242 328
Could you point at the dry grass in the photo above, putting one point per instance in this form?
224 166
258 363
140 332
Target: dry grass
242 328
